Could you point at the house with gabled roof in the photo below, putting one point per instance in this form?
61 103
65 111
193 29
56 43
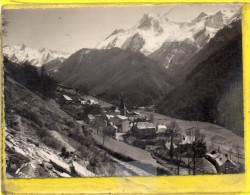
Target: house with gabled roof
121 122
222 162
144 129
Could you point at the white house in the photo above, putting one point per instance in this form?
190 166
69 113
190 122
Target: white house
168 143
121 122
187 139
161 129
66 99
83 102
124 122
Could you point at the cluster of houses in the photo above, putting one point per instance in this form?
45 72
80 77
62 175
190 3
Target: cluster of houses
70 96
123 121
66 99
129 126
120 119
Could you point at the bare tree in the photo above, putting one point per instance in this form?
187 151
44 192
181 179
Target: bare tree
174 130
188 151
107 131
96 127
178 158
212 145
100 123
230 152
151 118
99 129
103 137
237 151
198 146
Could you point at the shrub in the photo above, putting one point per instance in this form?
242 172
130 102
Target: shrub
66 154
48 139
83 151
43 132
70 123
63 150
24 112
51 142
28 75
48 85
33 142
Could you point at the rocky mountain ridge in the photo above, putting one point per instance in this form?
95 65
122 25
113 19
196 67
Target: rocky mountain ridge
22 53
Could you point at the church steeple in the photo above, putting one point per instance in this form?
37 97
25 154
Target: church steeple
122 106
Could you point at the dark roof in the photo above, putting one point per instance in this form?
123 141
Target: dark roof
63 86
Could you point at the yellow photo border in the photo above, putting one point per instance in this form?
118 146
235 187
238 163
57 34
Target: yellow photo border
199 184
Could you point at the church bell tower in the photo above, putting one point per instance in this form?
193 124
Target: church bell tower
122 106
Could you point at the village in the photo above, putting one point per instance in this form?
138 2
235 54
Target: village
121 131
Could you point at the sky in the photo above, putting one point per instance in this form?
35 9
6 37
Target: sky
70 29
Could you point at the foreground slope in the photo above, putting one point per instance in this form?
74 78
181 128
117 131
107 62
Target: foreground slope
37 130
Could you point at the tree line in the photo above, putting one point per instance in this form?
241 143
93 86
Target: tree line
36 80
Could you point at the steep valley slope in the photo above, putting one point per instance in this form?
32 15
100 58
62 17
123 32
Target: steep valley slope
211 88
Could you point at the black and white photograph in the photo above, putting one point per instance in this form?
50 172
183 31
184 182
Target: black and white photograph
149 90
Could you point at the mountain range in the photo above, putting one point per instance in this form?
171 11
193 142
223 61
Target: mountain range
170 43
109 72
22 53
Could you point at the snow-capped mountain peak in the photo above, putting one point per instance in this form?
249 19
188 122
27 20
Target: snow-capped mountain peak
152 30
200 17
149 21
42 50
37 57
21 46
229 15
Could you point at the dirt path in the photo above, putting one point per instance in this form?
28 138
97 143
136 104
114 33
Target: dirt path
134 169
124 149
142 163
